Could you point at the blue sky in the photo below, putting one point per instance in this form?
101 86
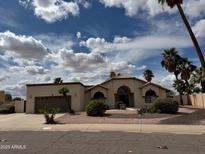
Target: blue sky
83 40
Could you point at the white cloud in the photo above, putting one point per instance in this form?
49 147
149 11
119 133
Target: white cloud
22 46
194 8
52 10
135 49
78 35
55 10
3 78
33 70
97 45
79 62
118 39
56 42
199 28
131 6
167 81
85 3
17 89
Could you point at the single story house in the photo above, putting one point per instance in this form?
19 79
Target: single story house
2 97
131 91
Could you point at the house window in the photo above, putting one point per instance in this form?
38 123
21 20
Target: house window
150 96
99 95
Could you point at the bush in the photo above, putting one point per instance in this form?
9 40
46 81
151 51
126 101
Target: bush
11 109
7 108
96 108
165 106
49 114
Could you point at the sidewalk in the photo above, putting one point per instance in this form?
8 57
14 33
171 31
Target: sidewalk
145 128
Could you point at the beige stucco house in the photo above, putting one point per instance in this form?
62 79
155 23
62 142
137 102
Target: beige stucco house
131 91
2 97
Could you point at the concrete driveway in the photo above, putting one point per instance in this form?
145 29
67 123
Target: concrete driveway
20 121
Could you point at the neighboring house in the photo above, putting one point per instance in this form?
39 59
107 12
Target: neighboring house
2 97
132 91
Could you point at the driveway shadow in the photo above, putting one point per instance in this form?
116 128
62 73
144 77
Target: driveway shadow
195 118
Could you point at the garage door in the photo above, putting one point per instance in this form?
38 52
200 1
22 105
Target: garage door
52 101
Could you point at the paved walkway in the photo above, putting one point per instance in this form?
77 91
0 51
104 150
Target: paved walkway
31 122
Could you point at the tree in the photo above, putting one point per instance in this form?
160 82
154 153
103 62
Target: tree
58 80
182 69
112 74
173 3
171 61
17 99
180 86
197 78
64 92
187 68
8 97
148 75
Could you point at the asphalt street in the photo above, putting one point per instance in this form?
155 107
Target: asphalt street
52 142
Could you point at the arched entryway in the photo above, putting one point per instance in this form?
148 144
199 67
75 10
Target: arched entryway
98 95
125 96
150 96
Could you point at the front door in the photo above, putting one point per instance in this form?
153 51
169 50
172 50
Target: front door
123 96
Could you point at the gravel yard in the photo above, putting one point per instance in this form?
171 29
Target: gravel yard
186 115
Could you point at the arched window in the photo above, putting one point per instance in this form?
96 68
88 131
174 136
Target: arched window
99 95
150 96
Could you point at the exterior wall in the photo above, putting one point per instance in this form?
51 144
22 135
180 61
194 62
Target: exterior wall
98 89
134 86
184 97
76 91
87 98
19 106
159 91
139 99
81 96
2 97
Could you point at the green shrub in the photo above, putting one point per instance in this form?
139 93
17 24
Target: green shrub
11 109
96 108
49 114
7 108
166 105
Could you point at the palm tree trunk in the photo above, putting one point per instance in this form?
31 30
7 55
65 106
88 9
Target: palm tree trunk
188 92
180 95
195 42
181 99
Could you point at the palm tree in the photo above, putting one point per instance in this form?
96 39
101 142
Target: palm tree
187 68
171 60
112 74
173 3
180 86
58 80
64 92
148 75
